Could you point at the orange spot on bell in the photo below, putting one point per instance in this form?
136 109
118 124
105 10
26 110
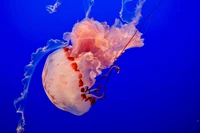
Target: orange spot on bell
80 83
75 66
52 97
92 100
65 82
71 58
83 96
55 102
82 89
67 51
80 75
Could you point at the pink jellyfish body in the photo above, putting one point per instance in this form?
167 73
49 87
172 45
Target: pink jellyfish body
71 70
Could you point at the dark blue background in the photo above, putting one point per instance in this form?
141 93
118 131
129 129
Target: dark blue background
157 90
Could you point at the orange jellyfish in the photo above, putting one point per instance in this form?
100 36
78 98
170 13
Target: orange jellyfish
70 72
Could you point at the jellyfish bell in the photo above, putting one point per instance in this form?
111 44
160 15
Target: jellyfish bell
65 83
70 72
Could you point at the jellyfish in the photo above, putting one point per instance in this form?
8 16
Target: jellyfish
70 71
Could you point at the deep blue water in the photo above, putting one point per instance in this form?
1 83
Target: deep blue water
157 90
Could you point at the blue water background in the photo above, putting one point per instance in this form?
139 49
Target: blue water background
157 90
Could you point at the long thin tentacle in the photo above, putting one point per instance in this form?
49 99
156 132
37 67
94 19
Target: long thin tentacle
29 69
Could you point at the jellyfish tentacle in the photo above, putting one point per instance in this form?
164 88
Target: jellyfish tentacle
52 8
96 97
135 21
29 70
88 5
96 90
150 14
117 68
138 11
109 72
127 16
